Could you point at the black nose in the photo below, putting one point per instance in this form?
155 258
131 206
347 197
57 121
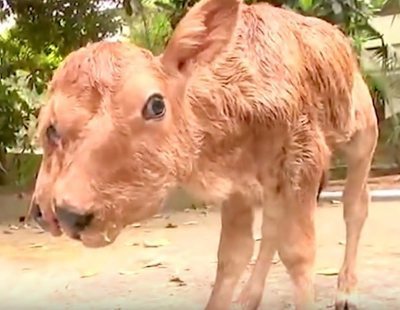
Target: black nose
76 222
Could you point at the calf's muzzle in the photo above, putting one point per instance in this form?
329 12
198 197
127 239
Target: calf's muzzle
72 220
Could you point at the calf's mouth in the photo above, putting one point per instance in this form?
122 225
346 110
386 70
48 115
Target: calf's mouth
89 236
46 220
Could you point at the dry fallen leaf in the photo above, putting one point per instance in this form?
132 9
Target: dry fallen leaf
36 245
155 243
328 272
171 225
177 280
136 225
132 243
153 263
127 272
88 273
190 223
194 207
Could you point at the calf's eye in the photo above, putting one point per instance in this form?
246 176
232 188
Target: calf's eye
154 107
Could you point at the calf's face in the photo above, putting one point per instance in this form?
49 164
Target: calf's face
117 132
107 148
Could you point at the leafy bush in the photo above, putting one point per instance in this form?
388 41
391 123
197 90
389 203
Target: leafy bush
149 26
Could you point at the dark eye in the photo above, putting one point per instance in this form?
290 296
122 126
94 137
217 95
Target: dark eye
52 134
154 108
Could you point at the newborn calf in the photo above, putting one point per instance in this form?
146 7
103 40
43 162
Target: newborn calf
243 109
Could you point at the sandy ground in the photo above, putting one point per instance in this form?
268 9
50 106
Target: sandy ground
41 272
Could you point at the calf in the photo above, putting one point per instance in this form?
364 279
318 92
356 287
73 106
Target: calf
323 183
243 109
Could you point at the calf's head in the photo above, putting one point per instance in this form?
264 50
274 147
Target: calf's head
117 132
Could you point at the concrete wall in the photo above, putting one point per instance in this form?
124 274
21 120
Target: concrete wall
389 26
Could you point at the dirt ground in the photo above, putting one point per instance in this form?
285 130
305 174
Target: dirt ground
155 267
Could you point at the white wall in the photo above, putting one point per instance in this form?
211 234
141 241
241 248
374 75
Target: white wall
389 26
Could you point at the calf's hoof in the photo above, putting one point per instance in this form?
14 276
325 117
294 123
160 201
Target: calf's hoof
346 302
250 297
247 303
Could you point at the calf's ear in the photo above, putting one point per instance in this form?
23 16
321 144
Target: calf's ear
201 34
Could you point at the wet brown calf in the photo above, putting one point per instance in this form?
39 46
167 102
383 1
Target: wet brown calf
243 109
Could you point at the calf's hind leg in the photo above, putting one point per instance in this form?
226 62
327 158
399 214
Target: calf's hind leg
358 155
251 295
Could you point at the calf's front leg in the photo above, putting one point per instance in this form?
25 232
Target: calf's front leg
297 248
234 252
251 295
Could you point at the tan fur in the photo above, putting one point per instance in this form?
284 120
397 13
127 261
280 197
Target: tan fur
256 99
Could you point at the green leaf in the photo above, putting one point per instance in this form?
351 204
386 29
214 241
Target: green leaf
306 5
165 6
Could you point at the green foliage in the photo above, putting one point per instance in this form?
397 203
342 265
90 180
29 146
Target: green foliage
68 24
175 9
305 5
149 25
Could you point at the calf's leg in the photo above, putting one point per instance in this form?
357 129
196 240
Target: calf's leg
235 250
251 295
296 249
358 154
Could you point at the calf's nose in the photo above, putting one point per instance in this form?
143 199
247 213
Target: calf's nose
36 214
72 220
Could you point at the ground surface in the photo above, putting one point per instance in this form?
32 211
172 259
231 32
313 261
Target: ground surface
41 272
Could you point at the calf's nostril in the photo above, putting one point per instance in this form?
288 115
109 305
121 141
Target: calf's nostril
73 220
35 212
